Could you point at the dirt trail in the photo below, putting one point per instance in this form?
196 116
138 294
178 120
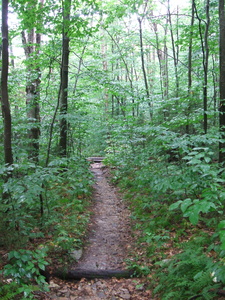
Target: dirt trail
106 248
109 229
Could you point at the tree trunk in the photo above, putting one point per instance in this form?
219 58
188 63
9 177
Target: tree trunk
4 87
128 74
163 61
31 43
175 54
190 68
205 64
64 77
205 58
143 68
222 81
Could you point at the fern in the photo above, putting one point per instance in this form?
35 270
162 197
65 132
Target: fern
9 291
186 275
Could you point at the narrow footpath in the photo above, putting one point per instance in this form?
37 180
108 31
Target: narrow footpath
109 228
107 248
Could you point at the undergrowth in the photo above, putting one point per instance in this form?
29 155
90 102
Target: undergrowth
47 213
176 194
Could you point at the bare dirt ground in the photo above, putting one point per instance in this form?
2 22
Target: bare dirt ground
109 229
107 248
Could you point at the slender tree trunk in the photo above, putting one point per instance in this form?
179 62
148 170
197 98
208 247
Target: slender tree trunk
190 68
104 48
143 68
4 88
79 67
112 96
215 89
163 62
165 74
128 73
64 79
222 81
205 58
175 59
205 65
160 55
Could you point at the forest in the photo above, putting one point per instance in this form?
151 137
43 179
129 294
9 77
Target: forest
140 83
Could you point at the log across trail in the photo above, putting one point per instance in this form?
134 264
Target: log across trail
101 272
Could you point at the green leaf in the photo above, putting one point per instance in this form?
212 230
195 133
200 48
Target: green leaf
207 159
195 161
175 205
193 217
185 204
221 225
41 266
222 234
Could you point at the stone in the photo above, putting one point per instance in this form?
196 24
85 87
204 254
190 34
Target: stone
76 254
124 294
101 295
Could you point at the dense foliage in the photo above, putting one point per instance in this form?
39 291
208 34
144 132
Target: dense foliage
143 91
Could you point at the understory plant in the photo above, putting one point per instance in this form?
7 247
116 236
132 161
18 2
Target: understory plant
24 272
37 194
47 209
175 189
187 274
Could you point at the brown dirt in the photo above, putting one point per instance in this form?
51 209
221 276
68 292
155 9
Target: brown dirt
107 247
109 229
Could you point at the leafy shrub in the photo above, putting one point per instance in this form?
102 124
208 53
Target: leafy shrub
25 265
172 184
24 269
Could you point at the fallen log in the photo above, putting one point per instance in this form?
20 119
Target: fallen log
78 274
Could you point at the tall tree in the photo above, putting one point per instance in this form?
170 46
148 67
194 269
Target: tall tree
205 58
4 87
162 57
222 81
140 20
190 66
64 77
31 39
175 52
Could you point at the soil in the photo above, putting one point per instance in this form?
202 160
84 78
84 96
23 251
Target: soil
109 229
107 247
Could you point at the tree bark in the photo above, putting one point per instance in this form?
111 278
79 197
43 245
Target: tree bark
175 54
4 87
222 81
64 77
205 64
31 40
162 55
190 68
205 58
143 68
